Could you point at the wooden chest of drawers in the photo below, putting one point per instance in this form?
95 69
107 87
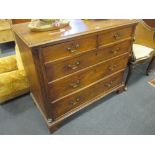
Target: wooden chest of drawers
71 68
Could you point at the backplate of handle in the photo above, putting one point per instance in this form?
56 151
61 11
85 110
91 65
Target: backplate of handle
74 66
75 84
115 51
73 48
117 36
112 67
74 102
109 85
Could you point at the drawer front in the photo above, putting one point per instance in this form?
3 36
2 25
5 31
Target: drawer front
67 104
70 48
115 35
113 51
59 69
79 80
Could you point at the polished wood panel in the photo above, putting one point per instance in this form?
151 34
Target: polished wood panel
65 105
84 78
29 61
114 50
68 49
114 36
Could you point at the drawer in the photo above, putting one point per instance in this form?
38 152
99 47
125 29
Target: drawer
115 50
71 102
82 79
70 48
115 35
59 69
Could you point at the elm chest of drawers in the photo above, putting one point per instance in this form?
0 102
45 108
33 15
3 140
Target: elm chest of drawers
71 68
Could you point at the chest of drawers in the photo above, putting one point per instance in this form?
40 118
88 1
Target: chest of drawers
71 68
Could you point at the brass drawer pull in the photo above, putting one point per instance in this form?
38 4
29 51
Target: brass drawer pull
117 36
75 66
77 46
109 85
111 68
75 84
73 48
115 51
76 101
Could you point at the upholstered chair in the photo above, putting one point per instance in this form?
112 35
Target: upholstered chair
13 80
143 49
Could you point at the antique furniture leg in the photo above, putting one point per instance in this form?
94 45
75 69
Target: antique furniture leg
53 128
130 69
150 65
120 90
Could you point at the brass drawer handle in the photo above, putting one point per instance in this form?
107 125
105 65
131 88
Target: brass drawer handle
75 66
77 46
111 68
117 36
76 101
109 85
115 51
73 48
75 84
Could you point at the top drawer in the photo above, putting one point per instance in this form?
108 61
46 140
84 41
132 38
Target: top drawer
66 49
115 35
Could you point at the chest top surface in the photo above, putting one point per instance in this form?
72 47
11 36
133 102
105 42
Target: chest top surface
76 28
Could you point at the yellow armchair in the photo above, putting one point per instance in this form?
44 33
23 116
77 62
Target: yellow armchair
13 80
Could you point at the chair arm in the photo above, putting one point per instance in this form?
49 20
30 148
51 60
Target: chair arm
8 64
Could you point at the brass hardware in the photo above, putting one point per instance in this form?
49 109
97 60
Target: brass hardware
69 49
73 51
73 48
75 102
77 46
49 120
75 84
109 84
111 68
115 51
75 66
117 36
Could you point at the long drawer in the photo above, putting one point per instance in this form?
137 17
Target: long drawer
71 102
114 36
81 79
60 69
67 49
